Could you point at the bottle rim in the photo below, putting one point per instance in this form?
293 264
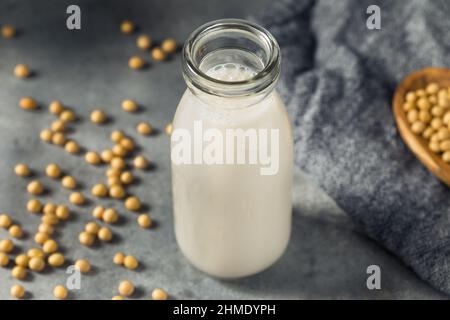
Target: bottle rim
262 80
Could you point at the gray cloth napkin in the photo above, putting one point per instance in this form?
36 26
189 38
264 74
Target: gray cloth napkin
338 78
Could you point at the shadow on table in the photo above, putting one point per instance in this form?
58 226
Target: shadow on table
328 258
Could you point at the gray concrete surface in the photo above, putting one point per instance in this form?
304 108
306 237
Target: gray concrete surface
327 256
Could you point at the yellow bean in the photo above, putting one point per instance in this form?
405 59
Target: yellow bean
126 288
144 42
60 292
169 45
127 27
159 294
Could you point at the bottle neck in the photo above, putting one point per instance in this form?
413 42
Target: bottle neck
231 59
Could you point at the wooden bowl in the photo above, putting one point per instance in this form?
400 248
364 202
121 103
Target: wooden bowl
418 144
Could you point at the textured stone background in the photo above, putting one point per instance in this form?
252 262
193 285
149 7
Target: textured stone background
327 256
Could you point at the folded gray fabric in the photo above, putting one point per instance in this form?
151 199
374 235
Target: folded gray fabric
338 79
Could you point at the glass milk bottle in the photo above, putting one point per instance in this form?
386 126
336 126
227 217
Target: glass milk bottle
231 152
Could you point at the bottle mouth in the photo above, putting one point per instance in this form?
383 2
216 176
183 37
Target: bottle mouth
231 41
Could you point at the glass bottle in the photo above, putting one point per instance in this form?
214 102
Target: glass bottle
231 152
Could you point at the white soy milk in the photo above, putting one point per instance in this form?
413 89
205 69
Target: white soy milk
231 72
231 220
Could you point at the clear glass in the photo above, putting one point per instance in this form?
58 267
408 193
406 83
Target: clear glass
232 154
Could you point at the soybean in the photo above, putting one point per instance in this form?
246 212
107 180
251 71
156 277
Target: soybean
17 291
35 187
130 262
69 182
127 27
83 265
92 157
5 221
98 117
169 45
77 198
159 294
136 63
144 221
53 170
28 103
133 203
86 238
60 292
22 170
22 71
105 234
126 288
6 246
144 42
158 54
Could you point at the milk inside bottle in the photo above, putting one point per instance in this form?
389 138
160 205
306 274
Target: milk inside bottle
231 152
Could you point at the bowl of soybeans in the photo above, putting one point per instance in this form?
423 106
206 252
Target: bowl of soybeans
421 107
